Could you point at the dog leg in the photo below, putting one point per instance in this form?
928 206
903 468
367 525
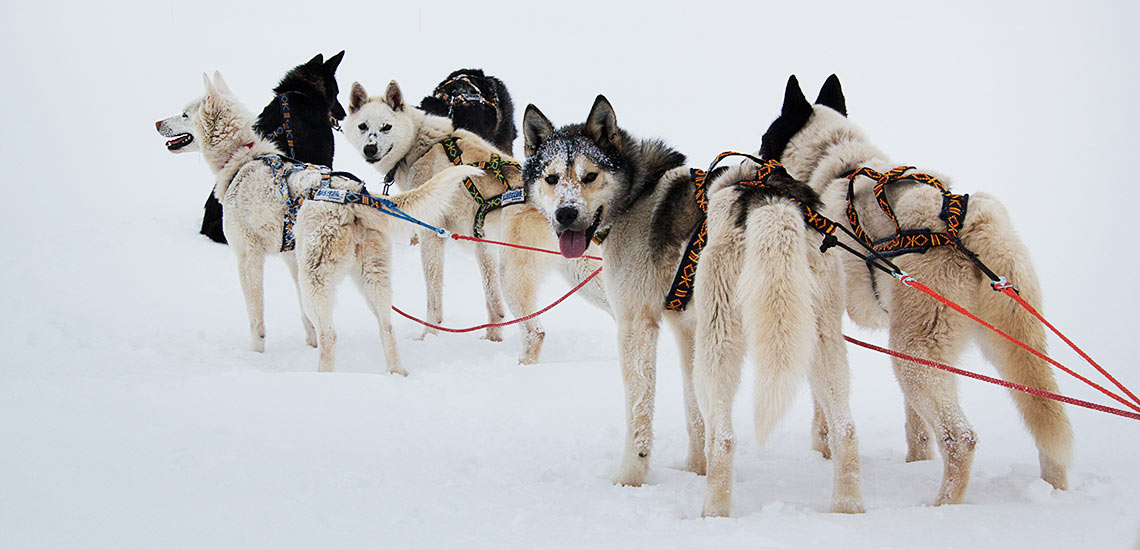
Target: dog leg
522 271
310 332
992 237
638 339
374 254
830 382
251 267
819 429
922 327
694 422
917 435
718 355
431 255
492 290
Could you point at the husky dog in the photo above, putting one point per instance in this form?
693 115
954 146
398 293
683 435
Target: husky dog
478 103
309 91
331 238
408 144
819 145
594 177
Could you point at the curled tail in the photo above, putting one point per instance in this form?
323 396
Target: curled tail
430 201
777 289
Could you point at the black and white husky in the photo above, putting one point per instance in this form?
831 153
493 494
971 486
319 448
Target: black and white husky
819 145
761 286
332 239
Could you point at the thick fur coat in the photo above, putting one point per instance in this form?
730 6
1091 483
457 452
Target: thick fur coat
477 103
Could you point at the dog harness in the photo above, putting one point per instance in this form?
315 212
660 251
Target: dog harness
451 99
906 241
682 290
283 167
495 165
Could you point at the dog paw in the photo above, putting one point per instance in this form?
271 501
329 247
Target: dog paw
715 509
633 472
257 346
847 506
426 333
398 370
493 335
696 465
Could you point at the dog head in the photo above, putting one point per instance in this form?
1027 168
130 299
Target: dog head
382 129
470 99
573 174
222 125
180 128
316 77
800 136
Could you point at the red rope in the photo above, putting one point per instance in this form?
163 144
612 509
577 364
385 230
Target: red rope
506 323
915 284
459 237
1017 298
991 380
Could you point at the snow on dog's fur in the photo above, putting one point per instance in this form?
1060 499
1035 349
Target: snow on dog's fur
592 177
405 143
818 144
332 239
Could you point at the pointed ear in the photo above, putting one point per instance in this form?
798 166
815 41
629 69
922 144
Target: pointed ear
536 128
394 97
357 97
601 125
316 60
831 95
334 62
209 85
794 100
221 85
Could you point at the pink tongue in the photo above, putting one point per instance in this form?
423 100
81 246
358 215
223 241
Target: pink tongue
573 243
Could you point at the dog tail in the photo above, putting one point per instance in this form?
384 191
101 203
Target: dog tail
989 233
430 201
777 287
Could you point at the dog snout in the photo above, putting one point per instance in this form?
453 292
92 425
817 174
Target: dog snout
370 150
566 215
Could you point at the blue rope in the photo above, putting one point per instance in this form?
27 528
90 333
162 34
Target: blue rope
400 214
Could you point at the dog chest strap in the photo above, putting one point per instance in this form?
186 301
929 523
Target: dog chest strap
906 241
495 166
682 289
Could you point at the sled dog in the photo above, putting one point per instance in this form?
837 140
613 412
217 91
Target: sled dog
478 103
412 146
761 285
819 145
307 93
331 238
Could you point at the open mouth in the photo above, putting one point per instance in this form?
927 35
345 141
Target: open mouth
573 244
179 141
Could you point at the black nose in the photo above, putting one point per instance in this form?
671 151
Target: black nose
566 215
370 149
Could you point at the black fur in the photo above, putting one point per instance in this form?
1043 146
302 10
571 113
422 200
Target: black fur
793 117
780 185
312 92
831 95
497 126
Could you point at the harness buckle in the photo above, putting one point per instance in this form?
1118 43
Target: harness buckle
904 278
1002 284
328 194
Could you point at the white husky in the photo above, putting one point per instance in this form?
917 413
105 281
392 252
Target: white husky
331 238
819 145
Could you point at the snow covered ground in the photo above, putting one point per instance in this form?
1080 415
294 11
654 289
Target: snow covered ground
131 415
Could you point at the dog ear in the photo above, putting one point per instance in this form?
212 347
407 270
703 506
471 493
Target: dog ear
601 125
536 128
357 97
209 85
831 95
221 85
316 60
334 62
394 97
794 100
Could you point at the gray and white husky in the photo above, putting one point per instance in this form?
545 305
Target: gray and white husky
819 145
761 286
407 144
332 239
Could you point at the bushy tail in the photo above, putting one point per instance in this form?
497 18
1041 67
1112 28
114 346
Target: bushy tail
777 288
430 201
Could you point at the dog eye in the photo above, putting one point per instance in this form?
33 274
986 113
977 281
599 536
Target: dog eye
363 127
590 177
386 127
552 179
